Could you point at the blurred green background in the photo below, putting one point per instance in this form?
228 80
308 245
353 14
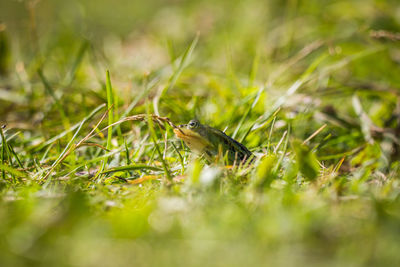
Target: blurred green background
232 64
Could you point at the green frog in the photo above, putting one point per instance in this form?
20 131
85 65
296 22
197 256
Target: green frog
210 142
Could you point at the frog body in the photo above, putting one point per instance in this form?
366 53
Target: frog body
210 142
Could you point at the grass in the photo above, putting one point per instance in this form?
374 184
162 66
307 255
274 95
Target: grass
92 175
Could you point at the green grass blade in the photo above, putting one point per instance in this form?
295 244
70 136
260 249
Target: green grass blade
132 168
67 147
284 150
78 59
247 113
128 160
110 104
62 154
182 64
254 69
11 170
180 157
270 135
148 87
3 152
11 149
73 128
110 121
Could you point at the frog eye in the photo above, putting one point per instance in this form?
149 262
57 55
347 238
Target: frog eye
193 123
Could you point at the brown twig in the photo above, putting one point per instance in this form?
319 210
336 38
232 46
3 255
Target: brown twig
382 34
314 134
142 117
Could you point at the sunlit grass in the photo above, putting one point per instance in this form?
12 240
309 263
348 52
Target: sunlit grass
91 173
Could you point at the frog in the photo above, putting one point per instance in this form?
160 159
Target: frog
210 143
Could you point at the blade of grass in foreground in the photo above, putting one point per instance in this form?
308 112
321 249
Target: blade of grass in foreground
132 168
3 151
110 104
7 151
180 158
128 160
11 149
64 133
284 150
61 156
67 147
110 122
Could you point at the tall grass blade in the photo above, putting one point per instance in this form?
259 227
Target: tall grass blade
78 59
67 148
172 81
132 168
110 121
248 111
73 128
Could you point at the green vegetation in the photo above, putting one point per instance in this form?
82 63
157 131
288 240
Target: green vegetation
312 88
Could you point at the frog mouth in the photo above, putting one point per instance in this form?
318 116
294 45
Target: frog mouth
186 134
192 139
